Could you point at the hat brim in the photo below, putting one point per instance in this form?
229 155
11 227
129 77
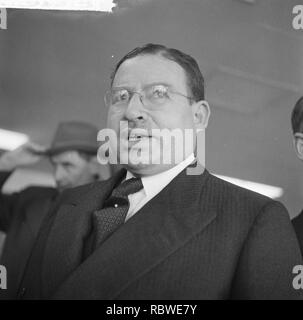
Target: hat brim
59 149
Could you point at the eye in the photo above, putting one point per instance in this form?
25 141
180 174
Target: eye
67 164
159 92
120 96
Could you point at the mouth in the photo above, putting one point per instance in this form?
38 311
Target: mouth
136 138
137 135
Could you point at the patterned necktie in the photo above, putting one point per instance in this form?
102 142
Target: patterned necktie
113 214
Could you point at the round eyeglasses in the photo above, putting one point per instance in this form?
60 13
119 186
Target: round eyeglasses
153 95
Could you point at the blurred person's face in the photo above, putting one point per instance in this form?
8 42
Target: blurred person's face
149 74
71 169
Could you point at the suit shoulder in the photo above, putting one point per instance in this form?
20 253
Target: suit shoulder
79 192
37 192
239 200
241 212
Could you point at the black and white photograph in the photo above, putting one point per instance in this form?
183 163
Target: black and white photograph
151 150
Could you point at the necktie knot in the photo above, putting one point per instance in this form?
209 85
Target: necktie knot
108 219
128 187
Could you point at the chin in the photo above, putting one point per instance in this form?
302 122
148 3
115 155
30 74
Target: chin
146 169
61 188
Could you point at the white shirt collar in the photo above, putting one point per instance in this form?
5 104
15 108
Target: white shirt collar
155 183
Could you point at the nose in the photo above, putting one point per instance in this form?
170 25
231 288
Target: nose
59 174
135 108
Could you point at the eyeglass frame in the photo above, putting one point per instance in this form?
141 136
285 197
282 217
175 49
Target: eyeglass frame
142 96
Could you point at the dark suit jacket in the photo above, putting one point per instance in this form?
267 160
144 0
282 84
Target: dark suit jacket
199 238
298 226
21 215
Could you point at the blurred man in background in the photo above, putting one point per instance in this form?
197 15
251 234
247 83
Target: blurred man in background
297 128
73 157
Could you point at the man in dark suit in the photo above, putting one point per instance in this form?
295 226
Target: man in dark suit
73 155
157 229
297 128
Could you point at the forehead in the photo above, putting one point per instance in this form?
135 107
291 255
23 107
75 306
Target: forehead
146 69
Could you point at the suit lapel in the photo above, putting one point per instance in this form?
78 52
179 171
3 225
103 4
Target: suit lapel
162 226
64 247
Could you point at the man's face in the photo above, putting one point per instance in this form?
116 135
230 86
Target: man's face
71 169
177 112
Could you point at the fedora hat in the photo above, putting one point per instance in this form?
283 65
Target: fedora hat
74 135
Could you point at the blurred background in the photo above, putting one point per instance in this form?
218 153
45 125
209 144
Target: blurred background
55 66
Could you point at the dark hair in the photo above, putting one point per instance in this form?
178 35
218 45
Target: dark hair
195 80
297 116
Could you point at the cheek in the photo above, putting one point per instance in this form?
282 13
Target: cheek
173 116
172 119
75 174
68 173
114 119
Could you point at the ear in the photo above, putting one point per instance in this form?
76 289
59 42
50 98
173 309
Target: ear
201 114
298 144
